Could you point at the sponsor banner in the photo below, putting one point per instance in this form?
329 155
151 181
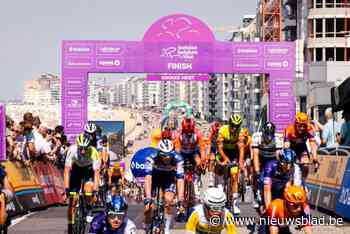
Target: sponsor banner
343 198
177 77
77 48
78 62
110 63
25 185
110 48
253 50
137 164
14 207
45 178
57 182
330 173
2 133
323 197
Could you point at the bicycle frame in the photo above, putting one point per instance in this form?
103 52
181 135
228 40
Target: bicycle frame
158 215
189 189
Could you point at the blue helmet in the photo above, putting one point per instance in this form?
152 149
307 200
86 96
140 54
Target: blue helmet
117 205
287 156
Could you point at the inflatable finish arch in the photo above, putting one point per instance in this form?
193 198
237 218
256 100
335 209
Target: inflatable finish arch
175 44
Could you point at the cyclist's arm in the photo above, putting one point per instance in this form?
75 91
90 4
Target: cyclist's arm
313 147
221 148
148 177
256 160
96 165
201 144
192 223
67 168
241 150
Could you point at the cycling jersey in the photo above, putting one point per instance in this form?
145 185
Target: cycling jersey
274 177
277 210
174 165
100 225
117 171
267 150
91 158
189 144
198 223
229 140
297 141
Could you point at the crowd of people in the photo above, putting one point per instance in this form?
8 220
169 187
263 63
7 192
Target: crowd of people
29 140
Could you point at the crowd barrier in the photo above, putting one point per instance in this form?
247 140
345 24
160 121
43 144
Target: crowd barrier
329 188
36 186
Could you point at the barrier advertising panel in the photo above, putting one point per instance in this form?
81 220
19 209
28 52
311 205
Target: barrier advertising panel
2 132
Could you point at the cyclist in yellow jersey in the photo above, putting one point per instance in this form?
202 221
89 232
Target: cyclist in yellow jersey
231 149
212 216
82 166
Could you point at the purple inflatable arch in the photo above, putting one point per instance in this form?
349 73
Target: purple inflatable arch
175 44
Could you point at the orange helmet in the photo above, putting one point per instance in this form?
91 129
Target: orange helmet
294 194
301 118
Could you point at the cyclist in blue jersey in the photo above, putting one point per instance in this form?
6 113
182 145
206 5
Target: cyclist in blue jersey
165 170
114 220
278 174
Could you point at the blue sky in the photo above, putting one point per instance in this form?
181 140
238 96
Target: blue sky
31 31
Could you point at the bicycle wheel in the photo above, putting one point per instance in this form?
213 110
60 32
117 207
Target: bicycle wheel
188 196
228 189
157 225
242 186
81 215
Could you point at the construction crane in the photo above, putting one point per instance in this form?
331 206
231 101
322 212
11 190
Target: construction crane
270 20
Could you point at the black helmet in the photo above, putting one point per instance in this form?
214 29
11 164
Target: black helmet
269 130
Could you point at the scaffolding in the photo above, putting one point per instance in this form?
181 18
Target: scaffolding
270 16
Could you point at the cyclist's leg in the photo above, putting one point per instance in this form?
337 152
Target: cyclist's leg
219 172
234 173
88 190
211 168
3 213
197 173
169 188
148 210
75 181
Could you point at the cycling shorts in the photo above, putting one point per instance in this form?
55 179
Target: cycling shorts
116 180
164 180
79 175
232 154
190 156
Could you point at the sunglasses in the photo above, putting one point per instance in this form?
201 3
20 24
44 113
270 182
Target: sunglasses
116 215
215 208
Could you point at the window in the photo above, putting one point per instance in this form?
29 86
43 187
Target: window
330 3
318 28
330 27
318 54
329 54
340 28
340 54
318 3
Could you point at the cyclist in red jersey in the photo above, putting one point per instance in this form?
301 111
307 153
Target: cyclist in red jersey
296 136
292 207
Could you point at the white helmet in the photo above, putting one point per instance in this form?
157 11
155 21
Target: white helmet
215 198
90 128
165 146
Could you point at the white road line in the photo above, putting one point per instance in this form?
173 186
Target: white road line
20 219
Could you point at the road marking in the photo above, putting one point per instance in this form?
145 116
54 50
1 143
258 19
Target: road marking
20 219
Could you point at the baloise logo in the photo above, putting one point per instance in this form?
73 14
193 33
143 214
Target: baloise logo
136 165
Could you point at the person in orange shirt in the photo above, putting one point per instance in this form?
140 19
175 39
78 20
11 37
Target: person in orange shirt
292 207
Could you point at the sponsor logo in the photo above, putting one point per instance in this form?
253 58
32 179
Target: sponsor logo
73 49
137 166
109 63
11 207
344 197
278 51
110 49
188 52
36 199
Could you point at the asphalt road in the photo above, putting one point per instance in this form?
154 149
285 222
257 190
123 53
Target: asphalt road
53 220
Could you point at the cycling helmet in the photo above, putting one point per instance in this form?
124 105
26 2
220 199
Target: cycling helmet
83 140
117 205
166 133
287 156
235 119
214 199
294 194
188 125
269 131
90 128
165 146
301 118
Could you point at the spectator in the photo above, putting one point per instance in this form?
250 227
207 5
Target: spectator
344 136
330 129
29 151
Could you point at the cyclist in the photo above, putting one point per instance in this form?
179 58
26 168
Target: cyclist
231 149
212 150
116 177
296 137
191 145
248 169
164 170
114 219
211 216
82 165
293 205
266 146
278 174
6 195
167 131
